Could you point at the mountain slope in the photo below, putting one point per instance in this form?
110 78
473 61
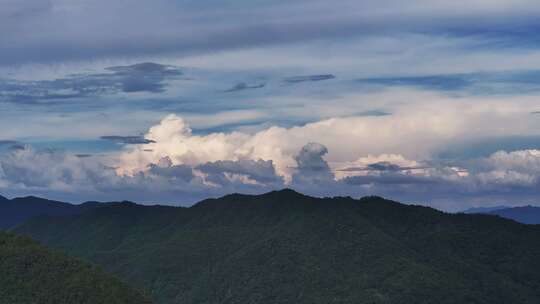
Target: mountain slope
525 214
32 274
283 247
18 210
484 210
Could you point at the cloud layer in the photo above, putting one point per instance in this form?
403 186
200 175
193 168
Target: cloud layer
142 77
177 166
186 27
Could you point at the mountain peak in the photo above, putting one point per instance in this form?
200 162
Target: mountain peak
285 193
31 198
20 209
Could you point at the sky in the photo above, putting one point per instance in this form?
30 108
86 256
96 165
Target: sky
173 101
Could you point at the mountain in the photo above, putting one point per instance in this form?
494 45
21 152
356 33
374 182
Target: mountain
524 214
32 274
18 210
484 210
284 247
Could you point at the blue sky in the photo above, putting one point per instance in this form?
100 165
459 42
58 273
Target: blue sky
174 101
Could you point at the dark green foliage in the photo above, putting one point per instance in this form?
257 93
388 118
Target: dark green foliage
283 247
31 274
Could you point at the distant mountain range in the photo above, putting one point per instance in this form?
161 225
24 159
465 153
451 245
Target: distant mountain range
30 273
524 214
18 210
21 209
284 247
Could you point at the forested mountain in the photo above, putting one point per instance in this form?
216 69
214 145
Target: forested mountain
18 210
284 247
30 273
524 214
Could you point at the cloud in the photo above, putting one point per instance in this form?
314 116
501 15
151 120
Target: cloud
389 179
83 155
166 27
456 82
478 83
243 86
304 167
251 172
130 140
486 146
52 171
63 175
511 168
311 168
68 176
389 153
384 166
142 77
443 121
8 142
297 79
165 168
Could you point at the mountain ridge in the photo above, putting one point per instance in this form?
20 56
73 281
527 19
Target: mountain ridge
523 214
17 210
286 247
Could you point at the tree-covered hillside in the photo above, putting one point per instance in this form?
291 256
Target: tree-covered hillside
31 274
284 247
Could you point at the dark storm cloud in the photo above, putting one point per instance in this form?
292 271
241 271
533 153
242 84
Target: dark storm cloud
130 140
244 86
375 113
382 166
389 179
311 166
165 168
259 171
83 155
298 79
142 77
